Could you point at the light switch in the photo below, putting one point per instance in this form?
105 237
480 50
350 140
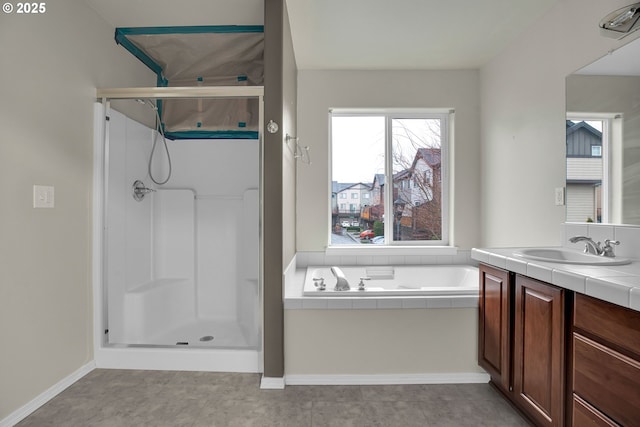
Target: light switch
43 196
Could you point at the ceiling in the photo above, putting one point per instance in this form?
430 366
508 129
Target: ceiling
623 62
358 34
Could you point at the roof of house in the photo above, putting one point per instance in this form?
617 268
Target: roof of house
403 174
379 178
337 187
431 156
573 127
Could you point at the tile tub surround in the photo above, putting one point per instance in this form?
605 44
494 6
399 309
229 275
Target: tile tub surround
618 284
169 398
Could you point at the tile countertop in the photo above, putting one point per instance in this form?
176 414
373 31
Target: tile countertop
619 284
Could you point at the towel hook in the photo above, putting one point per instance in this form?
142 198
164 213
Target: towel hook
299 152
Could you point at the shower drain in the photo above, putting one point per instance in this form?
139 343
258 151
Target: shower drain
206 338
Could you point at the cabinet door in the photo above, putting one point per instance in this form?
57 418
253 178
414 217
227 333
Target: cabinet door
539 338
494 328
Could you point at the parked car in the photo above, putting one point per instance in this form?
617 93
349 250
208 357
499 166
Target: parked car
345 223
367 234
378 240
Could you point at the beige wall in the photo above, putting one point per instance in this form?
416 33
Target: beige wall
289 86
523 122
318 91
378 342
51 65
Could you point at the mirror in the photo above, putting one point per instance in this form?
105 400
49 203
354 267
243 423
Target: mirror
609 89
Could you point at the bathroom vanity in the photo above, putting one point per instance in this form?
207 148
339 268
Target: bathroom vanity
562 357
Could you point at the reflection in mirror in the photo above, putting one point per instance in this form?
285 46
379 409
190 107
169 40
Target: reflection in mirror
603 110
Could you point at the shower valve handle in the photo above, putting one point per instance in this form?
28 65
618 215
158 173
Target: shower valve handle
140 190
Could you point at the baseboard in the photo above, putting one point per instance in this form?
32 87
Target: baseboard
445 378
21 413
272 383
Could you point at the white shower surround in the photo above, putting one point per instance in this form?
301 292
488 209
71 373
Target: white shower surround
195 241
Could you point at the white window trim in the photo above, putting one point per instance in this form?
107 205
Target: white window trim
444 247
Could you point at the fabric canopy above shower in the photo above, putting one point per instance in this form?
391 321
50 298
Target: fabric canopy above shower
202 56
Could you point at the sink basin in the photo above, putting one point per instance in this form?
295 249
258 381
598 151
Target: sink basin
568 256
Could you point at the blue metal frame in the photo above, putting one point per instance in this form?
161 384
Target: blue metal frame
212 134
121 37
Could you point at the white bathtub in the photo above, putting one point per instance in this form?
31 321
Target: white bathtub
427 280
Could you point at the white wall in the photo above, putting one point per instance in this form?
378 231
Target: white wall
523 122
51 65
318 91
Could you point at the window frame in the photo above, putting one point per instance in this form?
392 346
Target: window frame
446 116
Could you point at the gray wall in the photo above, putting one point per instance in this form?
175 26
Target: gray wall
279 178
51 65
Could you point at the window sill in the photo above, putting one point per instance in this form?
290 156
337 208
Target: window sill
390 250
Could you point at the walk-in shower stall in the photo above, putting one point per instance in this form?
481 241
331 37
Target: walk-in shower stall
177 237
178 203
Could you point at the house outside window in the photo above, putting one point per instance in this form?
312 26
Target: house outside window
586 178
403 159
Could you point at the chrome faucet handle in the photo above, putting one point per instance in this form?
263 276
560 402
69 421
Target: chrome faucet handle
361 284
319 283
607 249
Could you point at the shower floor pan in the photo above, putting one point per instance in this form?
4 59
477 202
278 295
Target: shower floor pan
204 334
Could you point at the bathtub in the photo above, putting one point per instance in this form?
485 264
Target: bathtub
381 281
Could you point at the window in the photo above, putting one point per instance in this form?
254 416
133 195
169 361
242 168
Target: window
403 158
591 146
354 195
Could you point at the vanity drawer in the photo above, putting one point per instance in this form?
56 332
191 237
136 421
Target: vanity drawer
615 324
585 415
606 379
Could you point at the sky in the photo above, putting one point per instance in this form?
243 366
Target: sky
358 144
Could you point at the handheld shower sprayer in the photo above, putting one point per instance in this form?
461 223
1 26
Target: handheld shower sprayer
159 130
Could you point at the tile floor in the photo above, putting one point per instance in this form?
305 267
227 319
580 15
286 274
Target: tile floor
114 398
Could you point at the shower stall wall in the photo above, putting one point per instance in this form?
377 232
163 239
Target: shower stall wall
180 269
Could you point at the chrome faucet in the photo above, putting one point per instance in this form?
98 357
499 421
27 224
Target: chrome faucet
595 248
342 284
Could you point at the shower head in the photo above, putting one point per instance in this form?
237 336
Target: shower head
147 102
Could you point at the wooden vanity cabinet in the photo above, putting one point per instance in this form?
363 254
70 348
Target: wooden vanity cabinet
539 351
495 324
605 362
521 342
